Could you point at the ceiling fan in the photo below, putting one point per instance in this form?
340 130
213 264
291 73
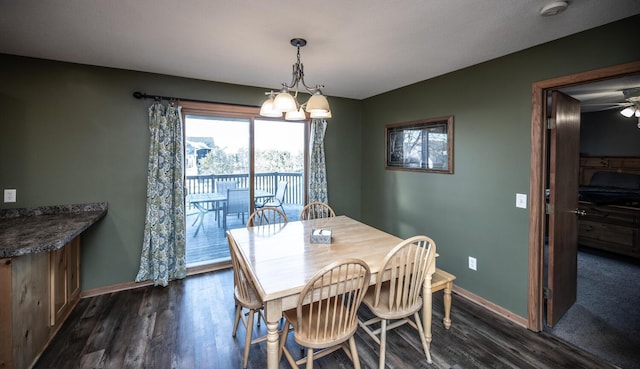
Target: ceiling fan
628 100
632 108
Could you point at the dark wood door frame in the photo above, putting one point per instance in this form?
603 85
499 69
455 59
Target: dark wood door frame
538 177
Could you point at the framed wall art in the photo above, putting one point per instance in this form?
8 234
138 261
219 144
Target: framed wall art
422 145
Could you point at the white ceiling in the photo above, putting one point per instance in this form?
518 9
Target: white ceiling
357 48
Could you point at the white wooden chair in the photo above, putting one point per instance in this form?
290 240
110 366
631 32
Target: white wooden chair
315 210
325 318
264 216
245 298
410 263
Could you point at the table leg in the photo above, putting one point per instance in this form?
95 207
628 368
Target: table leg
447 305
201 213
224 216
219 206
272 314
426 311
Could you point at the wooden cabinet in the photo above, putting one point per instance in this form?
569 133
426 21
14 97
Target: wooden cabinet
611 228
65 284
37 293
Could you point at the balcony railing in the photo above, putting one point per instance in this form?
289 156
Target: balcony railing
262 181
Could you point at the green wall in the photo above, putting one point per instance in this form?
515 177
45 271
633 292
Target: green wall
74 134
472 212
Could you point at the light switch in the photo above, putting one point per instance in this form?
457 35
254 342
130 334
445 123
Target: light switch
521 200
10 195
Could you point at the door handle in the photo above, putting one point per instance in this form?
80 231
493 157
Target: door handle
579 212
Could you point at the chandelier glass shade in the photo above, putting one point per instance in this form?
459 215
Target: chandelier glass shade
295 115
285 103
267 109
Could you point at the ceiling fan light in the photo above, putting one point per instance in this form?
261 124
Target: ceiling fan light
318 103
295 115
628 111
637 112
320 115
284 102
267 110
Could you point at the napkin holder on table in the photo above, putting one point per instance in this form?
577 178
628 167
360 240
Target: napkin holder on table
319 235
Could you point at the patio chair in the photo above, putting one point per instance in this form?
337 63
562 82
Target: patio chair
221 188
276 201
237 203
264 216
315 210
325 318
410 263
245 297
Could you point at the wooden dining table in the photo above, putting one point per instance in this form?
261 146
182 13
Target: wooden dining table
281 259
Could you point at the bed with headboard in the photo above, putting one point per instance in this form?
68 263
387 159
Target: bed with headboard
610 196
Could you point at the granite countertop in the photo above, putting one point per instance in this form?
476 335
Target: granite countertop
43 229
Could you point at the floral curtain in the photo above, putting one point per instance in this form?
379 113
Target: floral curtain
163 249
317 165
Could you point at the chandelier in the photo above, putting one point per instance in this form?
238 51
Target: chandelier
285 103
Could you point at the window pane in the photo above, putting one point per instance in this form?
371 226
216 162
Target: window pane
279 159
217 183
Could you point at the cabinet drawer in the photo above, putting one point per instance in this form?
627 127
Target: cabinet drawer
610 236
594 162
625 163
619 219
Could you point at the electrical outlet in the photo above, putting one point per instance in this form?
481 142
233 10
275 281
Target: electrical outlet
473 264
521 200
10 195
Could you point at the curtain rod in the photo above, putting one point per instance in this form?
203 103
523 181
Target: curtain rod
142 95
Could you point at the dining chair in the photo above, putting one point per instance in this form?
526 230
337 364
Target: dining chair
277 200
315 210
410 263
245 297
325 317
265 216
237 203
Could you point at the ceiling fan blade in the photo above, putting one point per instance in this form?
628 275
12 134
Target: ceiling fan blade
613 105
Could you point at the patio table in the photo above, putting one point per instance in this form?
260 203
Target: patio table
200 201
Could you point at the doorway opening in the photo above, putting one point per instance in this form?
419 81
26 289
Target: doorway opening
539 183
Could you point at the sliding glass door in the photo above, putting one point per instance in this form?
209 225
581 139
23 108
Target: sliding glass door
217 182
234 163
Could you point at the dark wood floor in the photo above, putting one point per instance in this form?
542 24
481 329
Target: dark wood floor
188 325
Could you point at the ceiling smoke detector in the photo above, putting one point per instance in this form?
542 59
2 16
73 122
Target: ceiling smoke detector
553 8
